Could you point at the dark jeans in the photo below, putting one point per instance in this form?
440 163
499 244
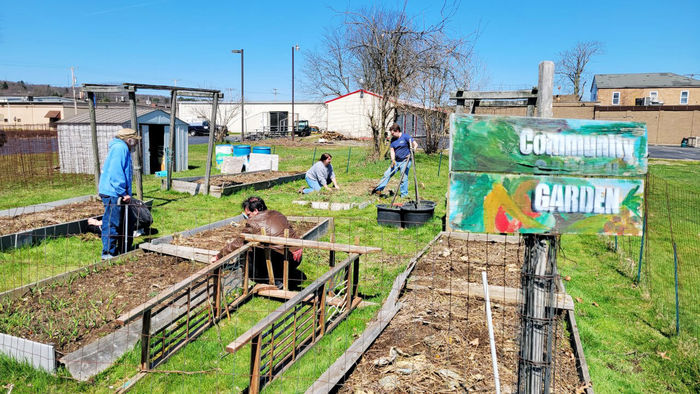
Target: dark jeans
113 227
258 268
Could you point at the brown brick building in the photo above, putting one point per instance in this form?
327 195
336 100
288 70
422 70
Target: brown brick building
645 89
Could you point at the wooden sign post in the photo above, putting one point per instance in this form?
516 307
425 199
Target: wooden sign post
544 177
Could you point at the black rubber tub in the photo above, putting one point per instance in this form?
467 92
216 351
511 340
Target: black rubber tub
417 214
388 215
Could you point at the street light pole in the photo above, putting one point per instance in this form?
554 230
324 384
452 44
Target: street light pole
294 48
242 100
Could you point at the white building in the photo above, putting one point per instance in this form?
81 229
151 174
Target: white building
259 116
350 115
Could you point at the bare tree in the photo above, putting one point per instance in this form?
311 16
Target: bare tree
571 66
451 65
384 51
224 116
328 72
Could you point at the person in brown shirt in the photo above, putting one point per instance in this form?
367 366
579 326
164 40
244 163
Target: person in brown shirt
275 223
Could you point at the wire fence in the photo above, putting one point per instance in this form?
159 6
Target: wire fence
165 313
666 259
29 155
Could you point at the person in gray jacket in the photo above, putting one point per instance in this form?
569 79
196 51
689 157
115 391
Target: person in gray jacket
320 175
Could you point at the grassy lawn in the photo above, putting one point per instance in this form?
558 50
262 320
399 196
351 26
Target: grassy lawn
624 346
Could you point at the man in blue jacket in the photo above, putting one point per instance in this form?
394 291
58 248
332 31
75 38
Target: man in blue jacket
400 152
115 190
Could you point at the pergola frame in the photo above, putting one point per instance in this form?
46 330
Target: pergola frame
131 88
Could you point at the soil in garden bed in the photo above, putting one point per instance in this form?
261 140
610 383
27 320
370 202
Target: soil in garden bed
238 179
72 313
215 239
62 214
440 343
348 192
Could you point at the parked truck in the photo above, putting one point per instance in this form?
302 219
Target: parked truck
198 128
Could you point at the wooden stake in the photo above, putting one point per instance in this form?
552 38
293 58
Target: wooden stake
268 261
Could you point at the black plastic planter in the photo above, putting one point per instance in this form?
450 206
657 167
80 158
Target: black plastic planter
388 215
417 214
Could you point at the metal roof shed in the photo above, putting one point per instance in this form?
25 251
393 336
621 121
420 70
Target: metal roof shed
74 141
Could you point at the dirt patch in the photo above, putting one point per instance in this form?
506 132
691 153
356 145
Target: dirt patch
215 239
231 180
72 313
440 343
348 192
62 214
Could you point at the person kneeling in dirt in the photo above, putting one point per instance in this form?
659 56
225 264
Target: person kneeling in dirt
320 175
274 223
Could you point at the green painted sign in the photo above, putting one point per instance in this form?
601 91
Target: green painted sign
547 146
503 203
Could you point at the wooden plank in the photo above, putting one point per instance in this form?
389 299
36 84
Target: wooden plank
311 244
186 252
484 237
514 144
581 364
495 95
145 339
506 295
544 204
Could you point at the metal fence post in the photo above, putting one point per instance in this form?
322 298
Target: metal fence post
641 248
675 275
347 166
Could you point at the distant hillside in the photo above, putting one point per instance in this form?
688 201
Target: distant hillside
20 88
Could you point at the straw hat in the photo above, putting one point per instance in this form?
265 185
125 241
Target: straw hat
125 134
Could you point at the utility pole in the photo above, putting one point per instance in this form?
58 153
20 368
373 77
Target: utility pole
294 48
72 79
242 100
274 92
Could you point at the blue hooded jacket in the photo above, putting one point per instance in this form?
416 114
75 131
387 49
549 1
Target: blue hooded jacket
116 175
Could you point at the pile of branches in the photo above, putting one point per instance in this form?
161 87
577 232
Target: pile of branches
334 136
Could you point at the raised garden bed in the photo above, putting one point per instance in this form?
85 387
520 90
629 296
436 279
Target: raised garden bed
32 224
223 185
26 226
437 339
77 318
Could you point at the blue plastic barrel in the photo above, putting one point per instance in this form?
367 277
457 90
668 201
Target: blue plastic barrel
262 149
241 150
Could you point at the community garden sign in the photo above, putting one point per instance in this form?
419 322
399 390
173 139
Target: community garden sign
546 176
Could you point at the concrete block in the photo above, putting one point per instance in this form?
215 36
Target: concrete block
232 164
38 355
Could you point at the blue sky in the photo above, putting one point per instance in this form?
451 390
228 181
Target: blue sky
161 41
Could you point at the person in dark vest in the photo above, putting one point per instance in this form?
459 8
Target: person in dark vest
274 223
